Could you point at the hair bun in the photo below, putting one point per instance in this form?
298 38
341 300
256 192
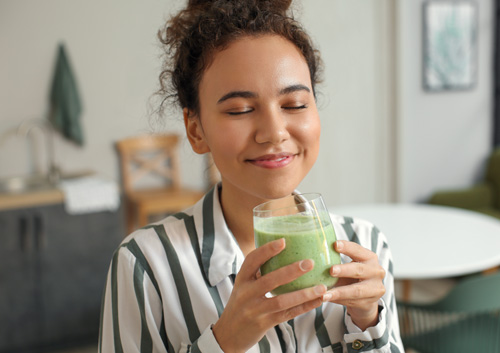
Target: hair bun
198 3
277 6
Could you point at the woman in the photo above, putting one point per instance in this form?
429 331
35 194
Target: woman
244 73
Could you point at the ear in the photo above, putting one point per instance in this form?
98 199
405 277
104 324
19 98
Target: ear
194 132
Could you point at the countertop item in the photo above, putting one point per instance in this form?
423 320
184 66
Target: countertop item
40 195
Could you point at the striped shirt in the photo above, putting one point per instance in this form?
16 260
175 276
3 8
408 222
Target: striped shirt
169 282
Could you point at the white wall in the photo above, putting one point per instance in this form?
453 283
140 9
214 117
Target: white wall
350 165
444 138
113 49
114 52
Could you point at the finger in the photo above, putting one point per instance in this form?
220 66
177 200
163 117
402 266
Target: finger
259 256
293 299
361 291
354 251
357 270
284 275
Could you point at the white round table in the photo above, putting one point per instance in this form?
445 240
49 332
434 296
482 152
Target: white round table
430 241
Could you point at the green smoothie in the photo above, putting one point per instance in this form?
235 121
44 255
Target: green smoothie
306 237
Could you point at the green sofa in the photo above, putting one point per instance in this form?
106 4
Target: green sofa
483 197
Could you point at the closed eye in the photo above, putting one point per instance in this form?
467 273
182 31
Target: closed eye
304 106
240 112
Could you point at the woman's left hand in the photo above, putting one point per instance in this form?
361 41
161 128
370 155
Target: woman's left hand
360 284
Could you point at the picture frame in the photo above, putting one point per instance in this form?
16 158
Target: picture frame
449 45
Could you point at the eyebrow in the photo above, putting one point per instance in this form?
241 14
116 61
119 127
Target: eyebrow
294 88
237 94
249 94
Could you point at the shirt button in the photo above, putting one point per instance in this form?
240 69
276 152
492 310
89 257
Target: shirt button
357 345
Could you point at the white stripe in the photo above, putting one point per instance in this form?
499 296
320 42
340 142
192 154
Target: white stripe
307 340
204 310
128 311
153 310
152 248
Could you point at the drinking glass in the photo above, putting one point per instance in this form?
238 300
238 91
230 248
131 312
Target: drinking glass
304 222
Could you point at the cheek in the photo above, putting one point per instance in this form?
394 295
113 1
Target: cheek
227 140
310 133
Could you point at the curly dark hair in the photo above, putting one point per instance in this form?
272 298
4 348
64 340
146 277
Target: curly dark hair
192 37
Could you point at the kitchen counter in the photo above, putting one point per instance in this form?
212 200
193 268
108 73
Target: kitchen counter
48 195
9 201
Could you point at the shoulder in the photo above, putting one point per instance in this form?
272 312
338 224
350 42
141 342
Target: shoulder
360 231
151 243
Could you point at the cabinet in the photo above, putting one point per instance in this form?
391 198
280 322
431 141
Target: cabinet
53 269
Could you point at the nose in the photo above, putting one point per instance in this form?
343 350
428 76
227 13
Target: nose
272 127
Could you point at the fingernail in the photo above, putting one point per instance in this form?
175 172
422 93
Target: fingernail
339 245
320 289
334 271
327 297
306 265
279 243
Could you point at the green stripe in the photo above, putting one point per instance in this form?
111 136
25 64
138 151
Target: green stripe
114 303
279 333
208 230
351 234
292 325
234 267
337 347
134 248
146 340
264 345
370 345
374 236
180 284
390 267
393 303
321 332
394 348
193 236
194 348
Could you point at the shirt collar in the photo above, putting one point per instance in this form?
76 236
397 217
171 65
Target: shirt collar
220 253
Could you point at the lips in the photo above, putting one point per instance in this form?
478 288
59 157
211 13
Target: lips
272 161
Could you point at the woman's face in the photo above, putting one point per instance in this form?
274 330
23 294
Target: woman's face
258 117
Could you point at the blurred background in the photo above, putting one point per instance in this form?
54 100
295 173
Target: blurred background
385 138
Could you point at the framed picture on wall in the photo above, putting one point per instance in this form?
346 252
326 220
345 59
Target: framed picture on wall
449 45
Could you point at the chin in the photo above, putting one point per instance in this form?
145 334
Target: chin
277 190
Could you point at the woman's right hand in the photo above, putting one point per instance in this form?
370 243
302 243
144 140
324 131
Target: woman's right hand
249 313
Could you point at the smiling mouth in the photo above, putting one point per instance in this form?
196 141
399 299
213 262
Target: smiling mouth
272 161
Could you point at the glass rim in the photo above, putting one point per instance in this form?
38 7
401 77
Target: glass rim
309 196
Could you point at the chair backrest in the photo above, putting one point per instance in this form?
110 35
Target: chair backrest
475 294
493 175
147 155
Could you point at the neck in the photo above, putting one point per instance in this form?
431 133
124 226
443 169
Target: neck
238 213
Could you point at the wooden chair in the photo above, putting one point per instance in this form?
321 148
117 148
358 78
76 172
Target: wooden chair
150 156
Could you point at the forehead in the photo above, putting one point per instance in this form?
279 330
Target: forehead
255 63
